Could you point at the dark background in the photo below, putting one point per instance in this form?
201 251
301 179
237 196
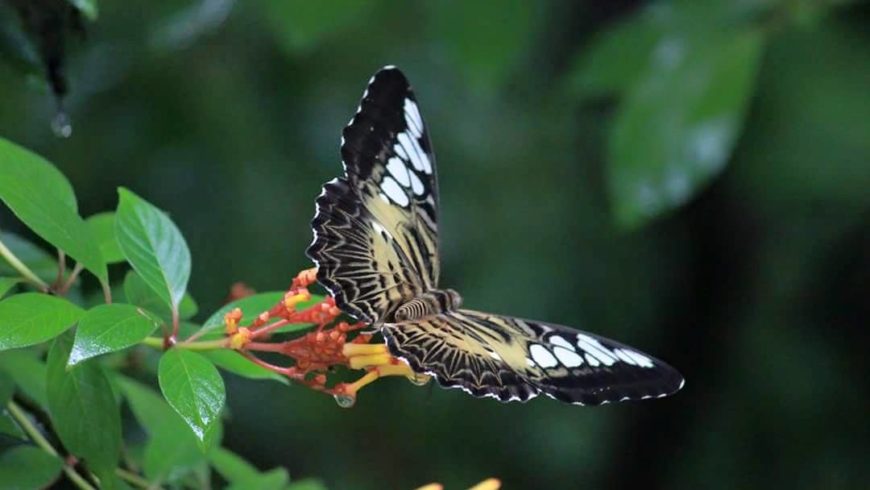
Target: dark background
228 117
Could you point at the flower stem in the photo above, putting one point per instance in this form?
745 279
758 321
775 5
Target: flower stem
21 268
132 478
38 439
157 343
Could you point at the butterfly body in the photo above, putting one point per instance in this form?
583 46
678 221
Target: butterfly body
376 249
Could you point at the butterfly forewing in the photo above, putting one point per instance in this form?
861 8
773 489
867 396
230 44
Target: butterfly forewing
512 359
376 238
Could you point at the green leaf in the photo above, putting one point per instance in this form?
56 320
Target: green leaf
9 428
7 387
678 125
300 25
252 306
153 246
232 361
7 425
7 283
102 227
41 263
231 466
275 479
83 409
86 7
615 59
28 372
32 318
193 387
23 164
307 484
139 294
486 43
27 467
108 328
172 450
42 198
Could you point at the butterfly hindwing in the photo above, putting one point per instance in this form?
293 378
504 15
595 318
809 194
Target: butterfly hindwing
376 239
512 359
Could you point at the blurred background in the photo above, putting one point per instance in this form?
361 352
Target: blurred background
690 177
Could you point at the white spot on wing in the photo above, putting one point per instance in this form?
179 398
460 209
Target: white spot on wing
412 116
623 356
399 171
593 346
407 143
542 356
397 148
417 184
494 355
642 360
592 360
568 358
560 341
394 192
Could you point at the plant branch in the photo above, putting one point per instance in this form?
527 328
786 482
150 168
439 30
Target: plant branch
22 269
107 292
157 343
72 278
38 439
175 324
61 267
132 478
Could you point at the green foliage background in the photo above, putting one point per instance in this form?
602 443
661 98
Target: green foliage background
689 177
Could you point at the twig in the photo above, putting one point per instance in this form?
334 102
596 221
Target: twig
132 478
34 434
72 278
158 343
22 269
61 267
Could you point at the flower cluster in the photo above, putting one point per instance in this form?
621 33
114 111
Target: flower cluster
331 343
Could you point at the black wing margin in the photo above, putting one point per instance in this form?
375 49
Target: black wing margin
375 229
511 359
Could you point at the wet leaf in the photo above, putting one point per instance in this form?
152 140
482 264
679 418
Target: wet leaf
193 387
108 328
83 408
154 247
172 450
33 318
139 294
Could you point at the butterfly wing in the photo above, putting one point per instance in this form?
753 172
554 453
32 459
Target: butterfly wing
512 359
376 228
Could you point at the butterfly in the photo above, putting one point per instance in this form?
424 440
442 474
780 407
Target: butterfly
376 250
